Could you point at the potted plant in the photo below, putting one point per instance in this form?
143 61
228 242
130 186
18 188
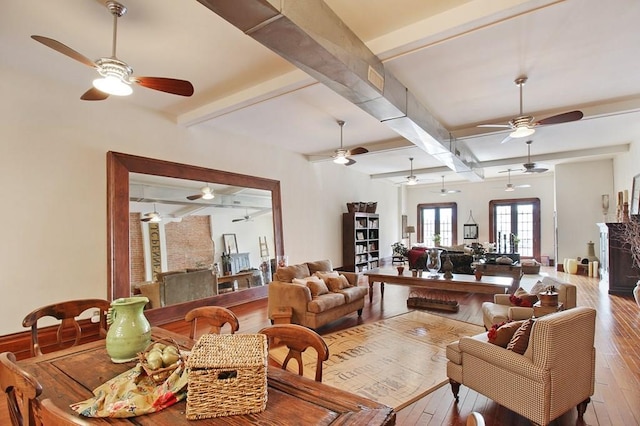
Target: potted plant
399 249
436 239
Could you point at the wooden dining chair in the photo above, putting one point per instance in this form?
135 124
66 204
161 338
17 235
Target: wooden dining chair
52 415
216 316
298 338
69 328
21 390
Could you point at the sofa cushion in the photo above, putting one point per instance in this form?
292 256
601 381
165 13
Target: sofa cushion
325 302
315 284
523 294
354 293
520 340
324 276
337 283
502 334
319 266
288 273
537 288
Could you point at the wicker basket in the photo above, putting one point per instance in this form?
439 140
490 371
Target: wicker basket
227 375
159 375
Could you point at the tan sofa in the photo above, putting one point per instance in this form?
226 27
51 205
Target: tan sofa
501 309
180 286
313 311
555 373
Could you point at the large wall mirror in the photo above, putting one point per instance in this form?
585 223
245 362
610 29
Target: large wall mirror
188 236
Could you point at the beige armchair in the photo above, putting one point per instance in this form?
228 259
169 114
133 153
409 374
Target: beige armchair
556 373
501 309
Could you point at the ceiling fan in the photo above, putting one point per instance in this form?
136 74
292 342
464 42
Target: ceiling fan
511 187
411 179
116 75
342 155
206 193
244 218
152 217
530 167
524 125
443 191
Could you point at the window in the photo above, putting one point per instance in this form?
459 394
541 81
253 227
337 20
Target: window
438 219
514 225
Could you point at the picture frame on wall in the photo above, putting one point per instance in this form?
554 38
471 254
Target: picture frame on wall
470 231
230 243
634 207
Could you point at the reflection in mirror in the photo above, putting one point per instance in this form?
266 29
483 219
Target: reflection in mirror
187 236
179 229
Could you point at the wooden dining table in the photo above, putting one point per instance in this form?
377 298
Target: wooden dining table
69 376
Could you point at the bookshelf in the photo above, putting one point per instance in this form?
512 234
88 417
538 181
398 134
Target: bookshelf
360 241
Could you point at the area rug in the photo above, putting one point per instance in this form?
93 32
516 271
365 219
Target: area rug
394 361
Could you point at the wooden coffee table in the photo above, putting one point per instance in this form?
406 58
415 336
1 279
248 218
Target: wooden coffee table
459 282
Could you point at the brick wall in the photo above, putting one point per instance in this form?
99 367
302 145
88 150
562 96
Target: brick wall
189 243
136 249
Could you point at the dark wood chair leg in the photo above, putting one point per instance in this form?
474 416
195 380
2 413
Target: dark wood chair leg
359 312
582 407
455 388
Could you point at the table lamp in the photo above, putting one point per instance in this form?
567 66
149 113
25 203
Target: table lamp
410 230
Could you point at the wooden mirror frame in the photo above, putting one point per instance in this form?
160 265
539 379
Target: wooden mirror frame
118 270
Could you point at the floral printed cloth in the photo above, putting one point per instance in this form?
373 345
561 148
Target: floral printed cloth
134 393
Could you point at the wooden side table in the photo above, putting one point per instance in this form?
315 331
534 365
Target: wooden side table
539 310
282 315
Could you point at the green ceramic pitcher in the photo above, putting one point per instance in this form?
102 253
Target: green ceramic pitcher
129 330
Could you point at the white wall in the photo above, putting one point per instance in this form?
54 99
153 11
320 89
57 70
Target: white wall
53 174
475 198
625 167
579 189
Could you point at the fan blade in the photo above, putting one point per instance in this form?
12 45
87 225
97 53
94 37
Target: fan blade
524 185
65 50
358 150
507 139
194 197
533 168
237 220
145 219
561 118
94 94
168 85
502 126
350 162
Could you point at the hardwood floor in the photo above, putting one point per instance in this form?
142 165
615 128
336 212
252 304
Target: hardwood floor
617 392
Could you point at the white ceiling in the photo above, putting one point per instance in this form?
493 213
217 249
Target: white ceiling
459 58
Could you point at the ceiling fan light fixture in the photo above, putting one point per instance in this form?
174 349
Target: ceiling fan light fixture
112 85
522 132
509 188
411 179
207 193
341 157
155 218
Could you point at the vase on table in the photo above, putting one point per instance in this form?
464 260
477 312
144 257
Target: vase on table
433 262
129 330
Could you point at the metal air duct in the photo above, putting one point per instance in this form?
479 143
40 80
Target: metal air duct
310 35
